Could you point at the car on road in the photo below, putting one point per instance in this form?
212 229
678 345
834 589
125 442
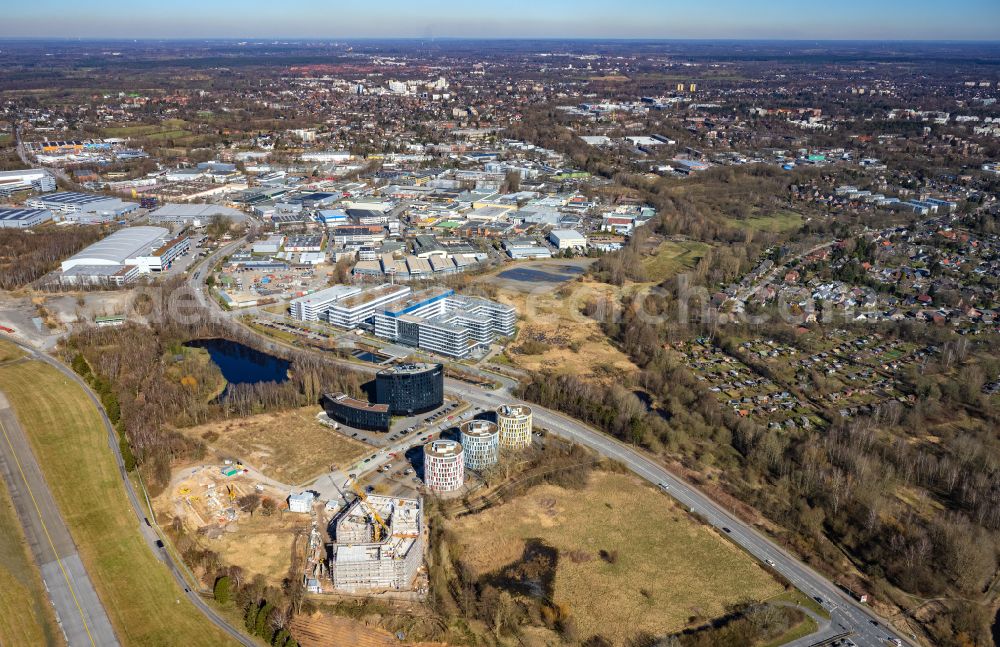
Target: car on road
769 562
726 529
159 543
664 486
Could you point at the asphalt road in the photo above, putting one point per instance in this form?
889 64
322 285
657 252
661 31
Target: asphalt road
865 627
78 609
148 532
846 614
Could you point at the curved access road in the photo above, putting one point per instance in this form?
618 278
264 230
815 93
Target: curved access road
148 532
79 611
848 617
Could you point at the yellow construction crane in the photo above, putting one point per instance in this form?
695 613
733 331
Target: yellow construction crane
379 525
232 493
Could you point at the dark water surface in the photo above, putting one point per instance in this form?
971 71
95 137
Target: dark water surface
241 364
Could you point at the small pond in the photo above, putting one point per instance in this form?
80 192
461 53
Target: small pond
241 364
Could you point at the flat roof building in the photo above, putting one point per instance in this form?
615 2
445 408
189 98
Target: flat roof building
83 207
35 179
440 321
353 310
567 239
193 214
312 306
23 218
410 388
147 249
357 413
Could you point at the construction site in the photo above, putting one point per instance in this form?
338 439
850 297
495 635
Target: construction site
205 497
378 544
242 517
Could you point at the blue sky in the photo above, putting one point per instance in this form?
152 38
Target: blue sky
798 19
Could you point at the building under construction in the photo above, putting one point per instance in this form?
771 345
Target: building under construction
378 544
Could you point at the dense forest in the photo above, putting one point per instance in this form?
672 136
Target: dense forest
26 256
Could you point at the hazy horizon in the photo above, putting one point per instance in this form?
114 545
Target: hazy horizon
851 20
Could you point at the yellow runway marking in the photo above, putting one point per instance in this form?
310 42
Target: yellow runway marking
47 535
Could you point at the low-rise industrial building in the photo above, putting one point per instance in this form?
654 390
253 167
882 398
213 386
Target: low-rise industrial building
83 207
567 239
23 218
124 255
195 215
35 179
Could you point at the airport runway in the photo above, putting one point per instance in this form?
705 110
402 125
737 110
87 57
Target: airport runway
78 609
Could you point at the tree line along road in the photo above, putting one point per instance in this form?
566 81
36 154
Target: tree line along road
866 628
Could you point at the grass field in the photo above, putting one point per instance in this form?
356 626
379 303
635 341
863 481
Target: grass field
697 572
262 544
145 605
26 616
289 446
9 351
569 341
671 258
775 223
167 129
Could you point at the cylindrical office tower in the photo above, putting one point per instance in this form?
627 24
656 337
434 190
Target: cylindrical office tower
444 466
480 444
410 388
514 423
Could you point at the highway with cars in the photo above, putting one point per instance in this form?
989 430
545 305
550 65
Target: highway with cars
848 618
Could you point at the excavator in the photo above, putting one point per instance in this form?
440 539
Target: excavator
381 529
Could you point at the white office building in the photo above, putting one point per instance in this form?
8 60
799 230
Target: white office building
314 306
346 306
440 321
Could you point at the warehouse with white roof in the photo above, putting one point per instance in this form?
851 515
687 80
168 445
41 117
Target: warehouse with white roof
17 218
124 255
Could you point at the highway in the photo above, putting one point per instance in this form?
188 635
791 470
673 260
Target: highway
78 609
867 629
